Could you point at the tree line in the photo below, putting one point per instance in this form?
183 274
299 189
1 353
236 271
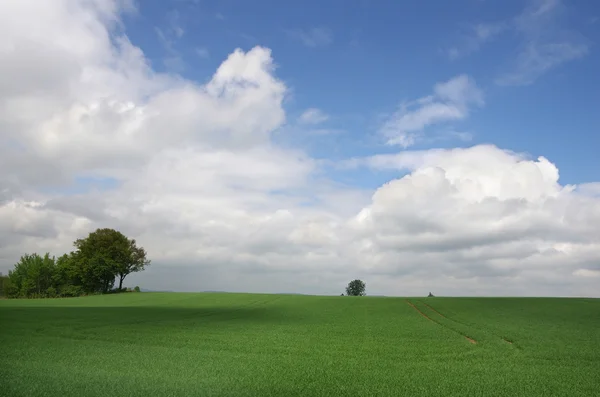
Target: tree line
98 261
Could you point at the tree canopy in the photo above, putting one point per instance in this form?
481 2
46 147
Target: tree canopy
99 259
107 254
5 285
356 288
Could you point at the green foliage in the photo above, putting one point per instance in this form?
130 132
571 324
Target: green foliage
51 292
136 289
6 287
101 257
283 345
356 288
32 276
97 258
104 255
69 291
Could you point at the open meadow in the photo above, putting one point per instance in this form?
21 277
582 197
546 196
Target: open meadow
214 344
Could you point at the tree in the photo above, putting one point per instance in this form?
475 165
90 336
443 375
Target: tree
32 276
6 287
356 288
67 278
104 255
93 267
135 261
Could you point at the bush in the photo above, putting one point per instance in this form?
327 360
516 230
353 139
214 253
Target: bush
71 291
136 289
51 292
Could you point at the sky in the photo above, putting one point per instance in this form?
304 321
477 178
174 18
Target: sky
267 146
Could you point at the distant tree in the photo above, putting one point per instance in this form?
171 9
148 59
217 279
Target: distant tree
136 289
356 288
135 261
98 260
105 255
67 278
430 295
32 276
6 286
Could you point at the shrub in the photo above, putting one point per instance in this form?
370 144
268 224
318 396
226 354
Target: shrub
136 289
71 291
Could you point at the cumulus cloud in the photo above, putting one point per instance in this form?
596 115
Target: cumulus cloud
592 189
198 180
480 212
450 101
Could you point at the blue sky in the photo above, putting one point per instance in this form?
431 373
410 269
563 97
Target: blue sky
275 146
357 61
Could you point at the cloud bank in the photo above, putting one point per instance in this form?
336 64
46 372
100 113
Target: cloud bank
92 136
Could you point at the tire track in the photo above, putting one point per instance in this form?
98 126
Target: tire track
422 314
506 340
440 314
471 340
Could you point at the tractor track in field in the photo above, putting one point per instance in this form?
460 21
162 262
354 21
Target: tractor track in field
473 341
440 314
508 341
420 312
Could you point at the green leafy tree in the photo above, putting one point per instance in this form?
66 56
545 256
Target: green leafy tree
98 260
32 276
356 288
6 287
103 256
67 278
135 261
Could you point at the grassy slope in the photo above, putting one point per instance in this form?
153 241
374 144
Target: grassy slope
278 345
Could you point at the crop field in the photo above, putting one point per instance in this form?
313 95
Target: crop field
175 344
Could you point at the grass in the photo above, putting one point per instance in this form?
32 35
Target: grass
174 344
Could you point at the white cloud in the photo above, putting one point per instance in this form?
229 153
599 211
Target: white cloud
451 101
476 37
591 189
313 37
313 116
168 38
544 41
480 212
201 184
586 273
537 58
175 23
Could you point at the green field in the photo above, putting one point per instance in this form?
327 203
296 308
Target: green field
175 344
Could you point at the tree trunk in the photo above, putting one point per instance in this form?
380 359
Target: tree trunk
121 278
